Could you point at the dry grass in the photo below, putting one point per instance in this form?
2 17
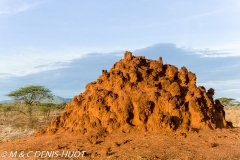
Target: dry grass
9 133
15 124
233 115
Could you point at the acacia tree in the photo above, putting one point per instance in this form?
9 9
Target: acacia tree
30 95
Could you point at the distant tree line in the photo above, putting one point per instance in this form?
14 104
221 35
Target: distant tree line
227 102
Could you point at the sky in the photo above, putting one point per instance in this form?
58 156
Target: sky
37 36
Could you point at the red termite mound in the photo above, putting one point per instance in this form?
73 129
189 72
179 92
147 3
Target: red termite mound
141 94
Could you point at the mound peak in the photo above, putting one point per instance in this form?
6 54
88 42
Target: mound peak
141 94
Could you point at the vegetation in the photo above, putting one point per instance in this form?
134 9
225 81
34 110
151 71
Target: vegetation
14 124
11 115
60 106
46 108
238 104
30 96
27 114
228 101
5 109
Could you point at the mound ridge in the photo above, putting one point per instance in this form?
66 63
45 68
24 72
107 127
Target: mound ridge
141 94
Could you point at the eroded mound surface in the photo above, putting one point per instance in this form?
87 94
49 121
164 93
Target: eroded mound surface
141 94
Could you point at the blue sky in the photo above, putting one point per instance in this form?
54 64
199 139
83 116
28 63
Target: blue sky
48 35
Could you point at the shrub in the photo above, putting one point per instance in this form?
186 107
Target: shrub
5 109
46 108
61 105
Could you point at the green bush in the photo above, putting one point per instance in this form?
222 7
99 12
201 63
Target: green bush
5 109
46 108
61 105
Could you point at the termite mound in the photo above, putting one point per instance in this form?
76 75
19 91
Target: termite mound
141 94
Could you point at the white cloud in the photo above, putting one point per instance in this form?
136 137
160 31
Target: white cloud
15 7
29 61
214 51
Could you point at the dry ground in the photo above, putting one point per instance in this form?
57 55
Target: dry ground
217 144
